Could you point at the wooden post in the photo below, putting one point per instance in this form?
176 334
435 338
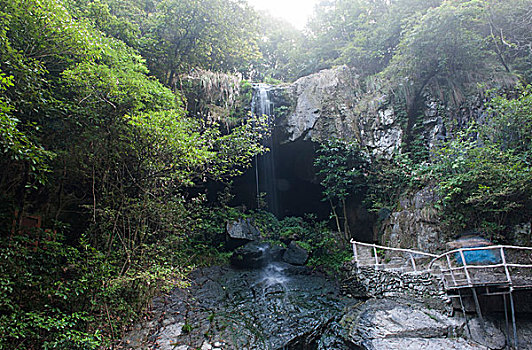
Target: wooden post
516 345
376 258
451 271
503 257
413 262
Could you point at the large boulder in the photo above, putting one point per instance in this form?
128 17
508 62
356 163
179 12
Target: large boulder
486 334
256 255
333 102
240 232
415 223
404 324
295 254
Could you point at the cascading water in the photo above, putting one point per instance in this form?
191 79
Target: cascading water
261 102
265 172
272 278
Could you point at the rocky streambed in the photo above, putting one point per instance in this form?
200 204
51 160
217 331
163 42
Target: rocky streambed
267 303
279 306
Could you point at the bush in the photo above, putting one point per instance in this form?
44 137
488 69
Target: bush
57 296
484 173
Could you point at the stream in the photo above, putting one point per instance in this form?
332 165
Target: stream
278 306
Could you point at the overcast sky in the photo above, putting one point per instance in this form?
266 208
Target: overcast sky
293 11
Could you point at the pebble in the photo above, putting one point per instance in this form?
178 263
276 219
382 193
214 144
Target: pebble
168 321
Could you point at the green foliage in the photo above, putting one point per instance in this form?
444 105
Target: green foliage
267 223
363 34
341 166
438 49
43 285
54 295
294 228
511 124
484 173
281 48
90 138
324 246
389 178
510 29
125 166
190 151
444 47
212 34
15 143
187 328
109 18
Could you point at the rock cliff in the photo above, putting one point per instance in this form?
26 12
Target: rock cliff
332 102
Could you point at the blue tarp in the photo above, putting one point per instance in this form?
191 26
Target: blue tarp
479 257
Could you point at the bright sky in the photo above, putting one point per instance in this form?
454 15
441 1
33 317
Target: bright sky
294 11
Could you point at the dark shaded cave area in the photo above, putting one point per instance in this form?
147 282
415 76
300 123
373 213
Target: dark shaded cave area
287 179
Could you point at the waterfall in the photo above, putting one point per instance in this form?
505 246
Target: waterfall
272 278
265 173
262 101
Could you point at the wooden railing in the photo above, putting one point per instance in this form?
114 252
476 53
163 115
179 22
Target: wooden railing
493 270
381 257
502 265
509 266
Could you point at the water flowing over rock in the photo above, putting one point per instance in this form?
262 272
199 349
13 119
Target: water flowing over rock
271 308
281 306
265 166
256 255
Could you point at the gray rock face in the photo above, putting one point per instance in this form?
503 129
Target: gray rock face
489 336
332 103
168 335
401 324
295 254
314 96
423 343
278 308
256 255
522 234
415 224
241 232
249 310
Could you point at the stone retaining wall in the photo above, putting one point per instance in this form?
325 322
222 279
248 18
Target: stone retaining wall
368 282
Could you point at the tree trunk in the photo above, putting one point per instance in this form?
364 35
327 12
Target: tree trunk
347 231
21 197
336 218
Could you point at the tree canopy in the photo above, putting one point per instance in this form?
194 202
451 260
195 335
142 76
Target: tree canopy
96 141
123 122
